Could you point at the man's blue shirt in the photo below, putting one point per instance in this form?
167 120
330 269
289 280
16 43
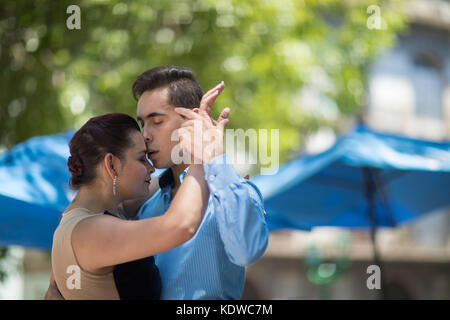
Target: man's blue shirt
232 235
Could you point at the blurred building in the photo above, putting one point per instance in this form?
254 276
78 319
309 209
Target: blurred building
409 90
318 265
409 94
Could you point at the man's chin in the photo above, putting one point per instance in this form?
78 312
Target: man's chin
161 165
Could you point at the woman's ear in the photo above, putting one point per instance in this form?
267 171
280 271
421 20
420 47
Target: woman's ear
110 164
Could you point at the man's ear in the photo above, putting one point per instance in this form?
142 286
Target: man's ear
110 164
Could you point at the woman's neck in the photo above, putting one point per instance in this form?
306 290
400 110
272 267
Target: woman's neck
95 199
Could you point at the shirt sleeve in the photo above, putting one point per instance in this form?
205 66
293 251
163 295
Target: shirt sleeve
239 211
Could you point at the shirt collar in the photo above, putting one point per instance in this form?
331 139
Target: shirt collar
166 179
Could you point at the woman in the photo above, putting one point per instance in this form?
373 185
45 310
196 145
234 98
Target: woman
98 255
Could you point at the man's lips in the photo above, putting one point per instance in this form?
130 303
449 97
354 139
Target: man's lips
151 154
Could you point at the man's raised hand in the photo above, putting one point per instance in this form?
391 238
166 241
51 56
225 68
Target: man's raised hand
199 137
207 102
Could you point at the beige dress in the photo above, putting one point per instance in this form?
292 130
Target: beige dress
73 282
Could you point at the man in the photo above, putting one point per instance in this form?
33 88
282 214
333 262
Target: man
233 233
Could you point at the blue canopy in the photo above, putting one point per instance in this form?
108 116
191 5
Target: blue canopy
399 177
411 177
34 190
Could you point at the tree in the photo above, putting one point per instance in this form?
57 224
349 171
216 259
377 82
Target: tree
292 65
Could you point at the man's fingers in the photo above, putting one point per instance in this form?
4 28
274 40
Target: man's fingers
222 124
223 120
187 113
219 87
206 103
224 114
209 98
188 123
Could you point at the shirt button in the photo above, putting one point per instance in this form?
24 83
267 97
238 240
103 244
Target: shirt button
212 177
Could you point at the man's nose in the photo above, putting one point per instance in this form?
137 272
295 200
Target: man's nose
147 136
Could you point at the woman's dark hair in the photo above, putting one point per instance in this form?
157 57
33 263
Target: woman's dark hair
184 90
109 133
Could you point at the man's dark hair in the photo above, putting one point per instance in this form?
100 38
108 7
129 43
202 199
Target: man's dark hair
184 90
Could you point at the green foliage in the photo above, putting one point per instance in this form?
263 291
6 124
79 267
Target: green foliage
266 51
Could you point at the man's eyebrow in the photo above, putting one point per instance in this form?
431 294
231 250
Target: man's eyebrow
151 115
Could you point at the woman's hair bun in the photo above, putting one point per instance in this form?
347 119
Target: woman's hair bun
75 166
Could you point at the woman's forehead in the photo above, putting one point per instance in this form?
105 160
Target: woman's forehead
138 141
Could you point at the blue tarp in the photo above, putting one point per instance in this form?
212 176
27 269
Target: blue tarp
34 190
320 190
328 189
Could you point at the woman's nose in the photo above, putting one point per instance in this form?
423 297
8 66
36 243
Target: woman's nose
149 164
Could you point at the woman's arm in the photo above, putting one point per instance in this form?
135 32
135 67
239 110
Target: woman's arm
53 291
104 241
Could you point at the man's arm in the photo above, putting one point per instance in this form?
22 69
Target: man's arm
239 210
238 203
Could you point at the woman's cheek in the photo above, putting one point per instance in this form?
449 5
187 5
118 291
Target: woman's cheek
144 171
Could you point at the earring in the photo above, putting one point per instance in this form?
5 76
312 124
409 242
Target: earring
114 186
